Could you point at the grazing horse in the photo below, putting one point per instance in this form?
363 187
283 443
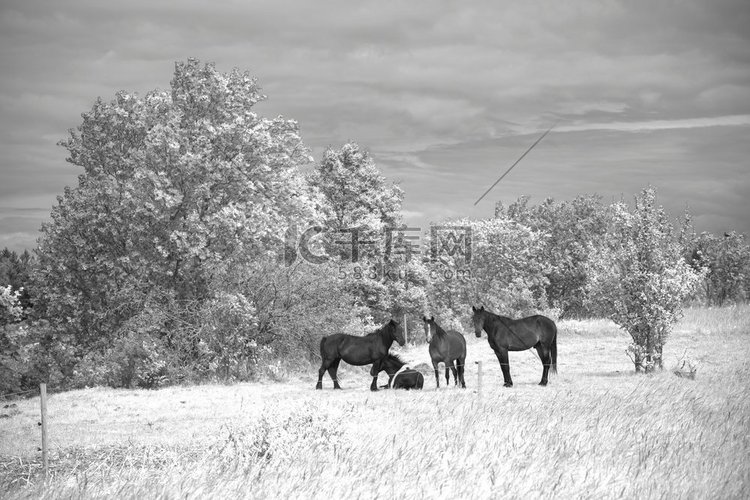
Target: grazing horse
400 376
447 347
505 334
358 351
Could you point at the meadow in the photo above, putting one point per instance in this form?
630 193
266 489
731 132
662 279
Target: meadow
597 431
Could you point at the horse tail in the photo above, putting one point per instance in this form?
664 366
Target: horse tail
553 348
322 341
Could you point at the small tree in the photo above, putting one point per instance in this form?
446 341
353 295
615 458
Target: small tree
639 278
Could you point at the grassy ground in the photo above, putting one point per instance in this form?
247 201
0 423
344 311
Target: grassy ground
597 431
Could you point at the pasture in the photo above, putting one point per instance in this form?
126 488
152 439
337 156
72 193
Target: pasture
597 431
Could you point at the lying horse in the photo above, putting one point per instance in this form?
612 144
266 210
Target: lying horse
448 347
505 334
358 351
400 376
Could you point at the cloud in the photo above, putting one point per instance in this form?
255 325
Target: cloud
644 126
442 93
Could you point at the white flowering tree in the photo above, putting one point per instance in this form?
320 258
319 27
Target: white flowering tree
178 188
639 277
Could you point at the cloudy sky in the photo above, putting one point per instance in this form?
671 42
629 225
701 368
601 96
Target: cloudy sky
445 95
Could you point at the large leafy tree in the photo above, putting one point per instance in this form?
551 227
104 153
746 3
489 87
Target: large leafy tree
176 185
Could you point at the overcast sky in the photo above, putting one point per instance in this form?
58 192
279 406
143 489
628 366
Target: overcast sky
444 95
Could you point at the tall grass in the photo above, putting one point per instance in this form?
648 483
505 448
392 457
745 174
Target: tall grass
598 431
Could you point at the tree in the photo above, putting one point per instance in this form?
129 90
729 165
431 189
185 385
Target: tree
15 270
175 186
639 278
506 272
10 305
726 260
356 192
572 228
363 211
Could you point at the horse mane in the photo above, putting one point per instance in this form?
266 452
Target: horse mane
381 329
494 316
375 331
439 329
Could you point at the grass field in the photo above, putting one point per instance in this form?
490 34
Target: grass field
597 431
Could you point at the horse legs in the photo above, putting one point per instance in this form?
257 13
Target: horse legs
502 357
324 365
546 357
437 372
374 372
460 362
455 373
332 372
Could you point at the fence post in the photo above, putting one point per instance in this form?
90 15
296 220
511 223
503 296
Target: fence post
43 424
479 380
406 331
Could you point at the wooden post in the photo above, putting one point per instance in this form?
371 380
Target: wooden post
43 423
479 380
406 331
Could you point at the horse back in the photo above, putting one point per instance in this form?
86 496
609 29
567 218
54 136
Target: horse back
547 328
457 343
409 379
354 350
331 345
521 334
452 347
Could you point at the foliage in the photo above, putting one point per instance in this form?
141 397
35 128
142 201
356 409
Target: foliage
356 193
10 339
15 270
726 262
264 307
10 305
573 230
363 215
639 279
507 272
174 185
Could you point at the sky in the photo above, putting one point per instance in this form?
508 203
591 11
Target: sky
444 95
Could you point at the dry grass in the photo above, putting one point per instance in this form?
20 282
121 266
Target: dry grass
598 430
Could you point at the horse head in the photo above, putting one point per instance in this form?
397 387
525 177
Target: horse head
478 320
430 327
396 332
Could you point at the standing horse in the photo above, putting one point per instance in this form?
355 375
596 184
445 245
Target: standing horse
400 376
358 351
447 347
505 334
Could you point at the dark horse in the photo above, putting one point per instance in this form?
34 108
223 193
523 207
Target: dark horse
371 348
400 376
447 347
505 334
